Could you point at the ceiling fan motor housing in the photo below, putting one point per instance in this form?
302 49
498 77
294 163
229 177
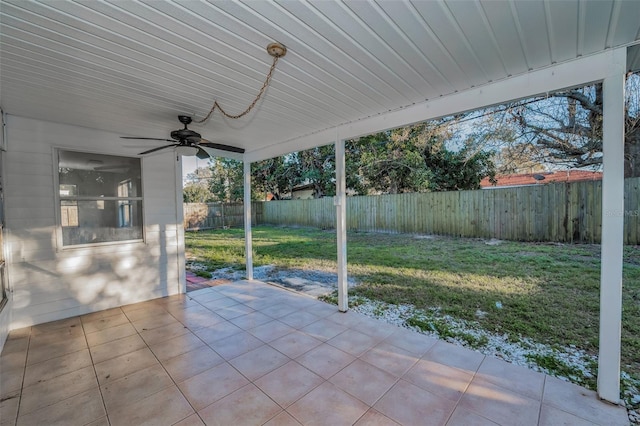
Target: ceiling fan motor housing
186 135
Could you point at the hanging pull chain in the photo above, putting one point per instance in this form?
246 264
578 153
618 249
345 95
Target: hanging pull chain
276 50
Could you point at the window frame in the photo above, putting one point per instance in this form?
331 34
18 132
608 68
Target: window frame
58 200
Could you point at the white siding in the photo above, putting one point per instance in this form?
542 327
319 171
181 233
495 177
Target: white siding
49 282
5 313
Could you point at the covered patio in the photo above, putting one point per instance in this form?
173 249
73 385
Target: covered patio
248 353
92 272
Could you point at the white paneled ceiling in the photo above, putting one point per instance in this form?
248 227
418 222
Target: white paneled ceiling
133 67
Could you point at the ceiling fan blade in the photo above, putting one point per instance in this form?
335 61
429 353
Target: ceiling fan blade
202 154
158 149
146 139
204 142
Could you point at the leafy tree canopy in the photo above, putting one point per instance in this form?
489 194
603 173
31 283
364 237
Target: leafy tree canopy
196 188
391 162
272 176
226 183
192 193
423 157
411 159
457 170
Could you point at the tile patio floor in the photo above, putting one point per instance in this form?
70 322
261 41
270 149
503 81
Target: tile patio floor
248 353
195 282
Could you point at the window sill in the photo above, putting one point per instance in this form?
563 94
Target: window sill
103 244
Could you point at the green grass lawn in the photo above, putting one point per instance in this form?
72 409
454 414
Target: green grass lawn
549 292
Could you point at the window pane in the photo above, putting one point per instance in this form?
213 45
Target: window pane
69 213
86 181
94 175
99 221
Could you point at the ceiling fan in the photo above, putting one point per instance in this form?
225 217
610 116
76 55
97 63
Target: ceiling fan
185 140
189 139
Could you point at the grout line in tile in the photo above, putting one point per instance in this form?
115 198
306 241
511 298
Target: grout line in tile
24 373
544 385
171 377
154 355
95 373
473 376
387 391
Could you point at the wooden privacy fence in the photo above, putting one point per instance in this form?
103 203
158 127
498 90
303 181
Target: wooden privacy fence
218 215
561 212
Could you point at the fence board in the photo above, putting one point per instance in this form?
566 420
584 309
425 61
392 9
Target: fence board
561 212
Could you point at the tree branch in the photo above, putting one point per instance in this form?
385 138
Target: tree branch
584 100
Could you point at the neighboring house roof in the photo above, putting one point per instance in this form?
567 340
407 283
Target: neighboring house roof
303 187
536 178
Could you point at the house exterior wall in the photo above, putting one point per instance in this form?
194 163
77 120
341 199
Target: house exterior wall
5 321
49 282
302 194
5 312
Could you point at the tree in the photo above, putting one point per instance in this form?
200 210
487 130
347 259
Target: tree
192 193
457 170
273 176
430 156
316 167
226 182
196 188
410 159
390 162
566 127
513 159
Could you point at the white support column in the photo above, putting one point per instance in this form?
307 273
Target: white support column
612 231
180 258
248 244
341 226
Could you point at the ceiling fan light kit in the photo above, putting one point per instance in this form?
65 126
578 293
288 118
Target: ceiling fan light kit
188 142
187 151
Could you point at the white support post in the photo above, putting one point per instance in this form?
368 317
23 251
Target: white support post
612 231
180 259
248 244
341 226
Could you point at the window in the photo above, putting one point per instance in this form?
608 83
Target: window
100 198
